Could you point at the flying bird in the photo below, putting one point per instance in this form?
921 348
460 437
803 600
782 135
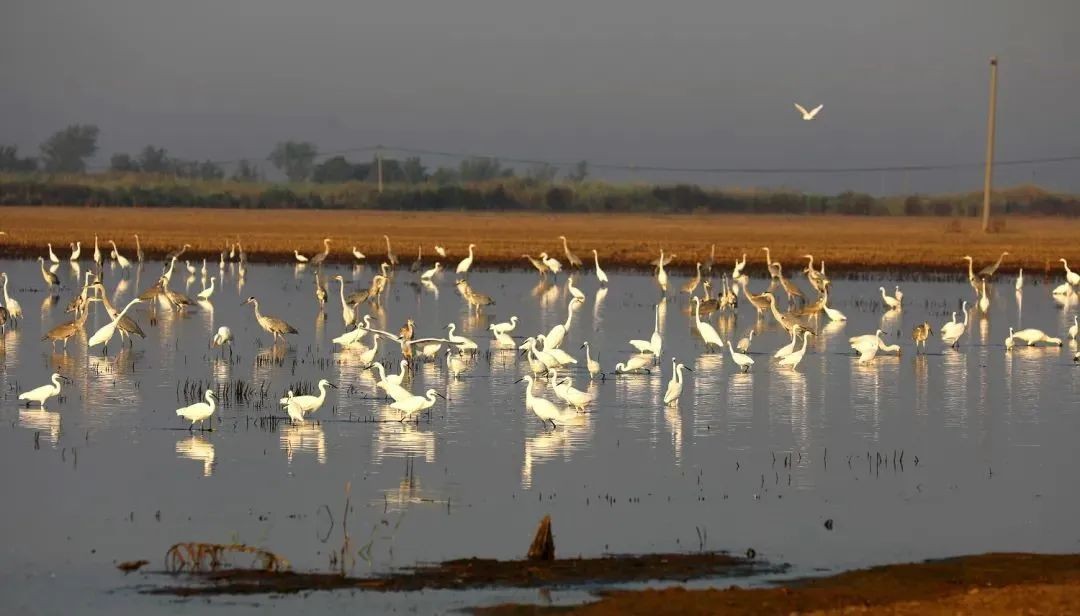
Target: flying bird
808 115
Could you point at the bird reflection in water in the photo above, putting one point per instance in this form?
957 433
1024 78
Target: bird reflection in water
303 438
402 440
574 432
45 422
199 449
598 306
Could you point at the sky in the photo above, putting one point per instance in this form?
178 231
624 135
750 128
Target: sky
689 84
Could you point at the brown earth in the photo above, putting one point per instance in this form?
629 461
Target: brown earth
622 240
984 584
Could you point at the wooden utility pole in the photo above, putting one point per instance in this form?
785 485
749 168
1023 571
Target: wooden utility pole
988 178
378 161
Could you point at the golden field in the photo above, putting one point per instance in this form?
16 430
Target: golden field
622 240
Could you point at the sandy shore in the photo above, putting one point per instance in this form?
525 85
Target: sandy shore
846 243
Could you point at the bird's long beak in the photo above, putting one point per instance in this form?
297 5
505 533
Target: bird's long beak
520 380
65 379
582 346
440 395
331 385
687 368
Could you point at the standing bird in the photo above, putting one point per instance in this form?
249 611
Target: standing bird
64 331
347 312
52 255
120 259
139 251
224 336
415 404
299 406
198 412
793 359
661 274
127 326
693 283
105 333
706 330
176 254
318 259
76 250
454 363
391 258
274 326
592 364
551 263
1072 277
466 263
744 361
951 332
299 257
544 409
600 275
890 302
675 385
97 252
43 393
1020 280
429 274
419 262
1074 329
50 278
990 270
572 260
921 334
357 254
13 307
205 294
984 299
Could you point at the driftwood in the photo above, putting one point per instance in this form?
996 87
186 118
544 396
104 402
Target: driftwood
543 544
196 557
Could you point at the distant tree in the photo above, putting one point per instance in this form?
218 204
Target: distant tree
542 173
123 163
391 171
246 172
66 150
339 169
481 168
444 176
415 173
156 160
10 161
209 170
296 159
913 206
579 172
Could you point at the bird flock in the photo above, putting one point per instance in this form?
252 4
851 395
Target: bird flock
804 306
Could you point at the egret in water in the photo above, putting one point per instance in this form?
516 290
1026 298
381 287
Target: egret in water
13 307
788 348
1072 277
576 293
105 333
675 385
466 263
76 250
744 343
121 260
462 343
52 255
429 274
600 275
808 115
1074 329
655 343
890 302
440 250
543 408
1032 336
198 412
299 257
865 341
205 294
222 337
592 364
635 363
743 360
455 364
551 263
984 299
299 406
505 327
661 273
951 332
43 393
792 359
706 330
359 256
416 404
1020 280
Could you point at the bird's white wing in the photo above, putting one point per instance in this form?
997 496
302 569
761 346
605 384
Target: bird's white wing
801 109
815 110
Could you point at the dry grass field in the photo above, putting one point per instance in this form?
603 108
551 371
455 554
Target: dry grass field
622 240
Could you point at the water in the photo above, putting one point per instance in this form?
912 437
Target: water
757 460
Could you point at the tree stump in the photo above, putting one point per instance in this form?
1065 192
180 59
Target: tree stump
543 544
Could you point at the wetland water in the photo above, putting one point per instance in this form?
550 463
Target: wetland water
758 460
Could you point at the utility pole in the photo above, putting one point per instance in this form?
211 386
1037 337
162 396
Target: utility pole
988 178
378 161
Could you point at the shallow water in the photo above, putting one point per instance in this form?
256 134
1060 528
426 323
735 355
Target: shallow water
911 457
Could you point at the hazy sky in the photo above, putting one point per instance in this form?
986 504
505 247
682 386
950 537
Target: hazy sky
681 83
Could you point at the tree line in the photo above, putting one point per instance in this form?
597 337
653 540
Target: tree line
68 150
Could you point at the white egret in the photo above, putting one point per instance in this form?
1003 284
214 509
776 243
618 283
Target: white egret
205 294
1032 336
543 408
1009 342
634 363
455 364
744 361
984 300
415 404
592 364
600 275
440 250
890 302
788 348
832 313
505 327
795 357
347 312
1020 280
52 255
359 256
429 274
299 257
1072 277
576 293
105 333
466 263
661 274
808 115
706 330
569 394
13 307
97 252
648 346
462 343
222 337
675 385
951 332
299 406
123 261
744 343
200 411
1074 329
43 393
551 263
560 356
76 250
557 334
